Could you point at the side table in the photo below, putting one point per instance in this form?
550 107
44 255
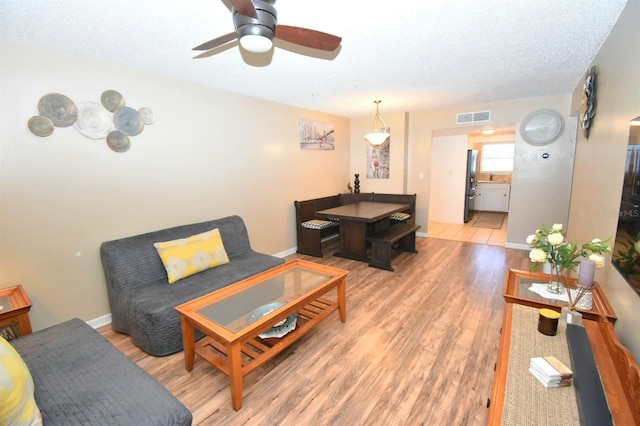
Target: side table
516 290
14 312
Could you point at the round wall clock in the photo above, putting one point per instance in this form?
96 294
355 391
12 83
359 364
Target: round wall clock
542 127
588 108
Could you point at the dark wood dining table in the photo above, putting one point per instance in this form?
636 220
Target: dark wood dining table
358 220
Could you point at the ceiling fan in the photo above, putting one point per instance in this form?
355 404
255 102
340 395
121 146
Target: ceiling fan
256 26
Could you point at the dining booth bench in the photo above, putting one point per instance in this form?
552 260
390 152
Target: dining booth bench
401 236
311 232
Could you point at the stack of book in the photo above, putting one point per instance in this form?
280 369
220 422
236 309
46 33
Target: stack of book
550 372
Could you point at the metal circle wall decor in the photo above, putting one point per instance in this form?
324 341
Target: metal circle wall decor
40 125
110 119
128 121
146 115
589 103
59 109
118 142
112 100
93 121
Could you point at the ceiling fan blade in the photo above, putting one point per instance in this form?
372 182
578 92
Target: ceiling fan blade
219 41
308 38
245 7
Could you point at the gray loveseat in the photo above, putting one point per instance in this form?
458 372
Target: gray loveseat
82 379
142 301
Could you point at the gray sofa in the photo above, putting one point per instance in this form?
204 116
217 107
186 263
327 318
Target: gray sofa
142 301
82 379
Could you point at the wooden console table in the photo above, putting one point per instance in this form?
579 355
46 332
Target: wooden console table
516 392
516 290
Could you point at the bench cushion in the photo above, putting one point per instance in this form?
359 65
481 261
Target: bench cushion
318 224
400 216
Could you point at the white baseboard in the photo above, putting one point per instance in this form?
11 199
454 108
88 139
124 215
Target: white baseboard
100 321
518 246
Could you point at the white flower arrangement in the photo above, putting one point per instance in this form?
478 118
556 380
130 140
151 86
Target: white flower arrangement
551 246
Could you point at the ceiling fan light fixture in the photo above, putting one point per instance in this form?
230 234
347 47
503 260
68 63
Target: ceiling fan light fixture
256 43
256 35
379 131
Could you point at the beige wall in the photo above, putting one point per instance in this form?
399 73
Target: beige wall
209 154
503 114
598 174
398 172
65 194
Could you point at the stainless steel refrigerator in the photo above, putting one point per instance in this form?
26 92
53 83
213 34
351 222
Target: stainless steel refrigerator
470 185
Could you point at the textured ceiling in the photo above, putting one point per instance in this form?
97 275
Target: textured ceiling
413 54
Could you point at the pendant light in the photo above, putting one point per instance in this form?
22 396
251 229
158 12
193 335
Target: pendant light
379 130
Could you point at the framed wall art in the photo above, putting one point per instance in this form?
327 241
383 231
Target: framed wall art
378 160
316 135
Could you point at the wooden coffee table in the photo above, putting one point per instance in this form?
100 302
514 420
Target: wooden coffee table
231 318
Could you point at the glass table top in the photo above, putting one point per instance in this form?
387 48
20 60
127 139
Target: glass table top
238 310
5 303
523 289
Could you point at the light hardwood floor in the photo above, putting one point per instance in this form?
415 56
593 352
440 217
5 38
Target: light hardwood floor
418 348
466 232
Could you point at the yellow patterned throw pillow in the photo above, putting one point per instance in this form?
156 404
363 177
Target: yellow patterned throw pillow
17 404
188 256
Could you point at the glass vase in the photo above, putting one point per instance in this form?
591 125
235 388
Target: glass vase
556 280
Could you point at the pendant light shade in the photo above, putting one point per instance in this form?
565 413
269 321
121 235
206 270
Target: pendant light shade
379 130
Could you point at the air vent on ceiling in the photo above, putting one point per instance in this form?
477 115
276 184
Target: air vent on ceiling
473 117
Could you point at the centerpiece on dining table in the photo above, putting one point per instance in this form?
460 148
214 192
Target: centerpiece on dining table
550 245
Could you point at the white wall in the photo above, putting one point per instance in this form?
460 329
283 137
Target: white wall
448 169
600 160
209 154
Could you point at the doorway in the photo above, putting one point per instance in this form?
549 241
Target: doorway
448 174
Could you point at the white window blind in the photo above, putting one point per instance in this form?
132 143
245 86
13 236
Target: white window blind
497 157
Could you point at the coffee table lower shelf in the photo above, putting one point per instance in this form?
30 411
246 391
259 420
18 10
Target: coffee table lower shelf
254 351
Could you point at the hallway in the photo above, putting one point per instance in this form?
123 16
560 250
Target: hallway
466 232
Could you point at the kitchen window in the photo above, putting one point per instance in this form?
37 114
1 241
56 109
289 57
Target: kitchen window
497 157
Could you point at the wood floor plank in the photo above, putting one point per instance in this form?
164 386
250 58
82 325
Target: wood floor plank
418 347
